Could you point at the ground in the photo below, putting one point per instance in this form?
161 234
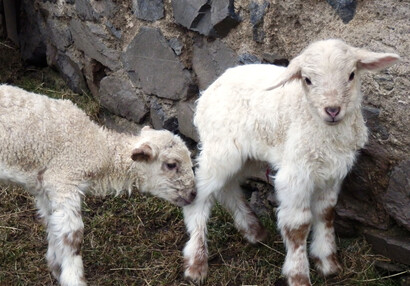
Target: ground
138 240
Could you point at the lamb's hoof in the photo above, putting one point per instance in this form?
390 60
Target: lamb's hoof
330 266
299 280
256 233
196 270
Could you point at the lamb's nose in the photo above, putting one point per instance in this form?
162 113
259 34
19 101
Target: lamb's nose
192 195
333 111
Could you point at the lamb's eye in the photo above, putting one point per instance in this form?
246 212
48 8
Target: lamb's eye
171 166
351 77
307 80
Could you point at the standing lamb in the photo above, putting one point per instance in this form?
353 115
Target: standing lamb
305 121
58 154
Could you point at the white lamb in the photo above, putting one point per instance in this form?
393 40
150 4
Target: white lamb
58 154
305 121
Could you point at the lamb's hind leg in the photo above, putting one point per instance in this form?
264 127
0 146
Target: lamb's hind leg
323 246
246 221
65 236
212 174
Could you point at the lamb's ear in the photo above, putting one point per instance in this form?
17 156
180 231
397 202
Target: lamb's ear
371 61
293 71
143 153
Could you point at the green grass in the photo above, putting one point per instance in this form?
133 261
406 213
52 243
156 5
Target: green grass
138 240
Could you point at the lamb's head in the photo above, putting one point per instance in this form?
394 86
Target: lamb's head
329 72
167 166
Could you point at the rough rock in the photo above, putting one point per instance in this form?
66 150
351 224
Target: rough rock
69 69
257 12
344 8
153 66
176 45
210 60
119 124
162 116
275 59
59 34
32 44
94 10
185 115
377 130
2 21
90 38
10 17
149 10
247 58
394 244
223 16
397 197
117 33
119 96
360 199
209 18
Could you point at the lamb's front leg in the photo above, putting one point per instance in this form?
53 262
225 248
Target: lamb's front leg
196 251
65 236
323 247
294 221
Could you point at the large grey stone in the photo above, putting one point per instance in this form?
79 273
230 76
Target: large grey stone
163 116
68 68
210 60
10 17
394 244
209 18
153 66
149 10
93 10
257 12
361 197
89 37
344 8
119 96
372 117
223 16
247 58
185 115
31 39
397 197
58 33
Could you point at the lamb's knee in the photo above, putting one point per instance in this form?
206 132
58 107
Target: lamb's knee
323 247
73 241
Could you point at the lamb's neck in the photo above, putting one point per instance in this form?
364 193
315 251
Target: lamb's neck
120 171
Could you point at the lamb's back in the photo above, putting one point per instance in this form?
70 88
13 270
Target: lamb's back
35 129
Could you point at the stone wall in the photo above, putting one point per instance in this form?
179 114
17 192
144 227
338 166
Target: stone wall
147 60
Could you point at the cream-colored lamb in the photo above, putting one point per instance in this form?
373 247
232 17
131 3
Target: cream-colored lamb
305 121
58 154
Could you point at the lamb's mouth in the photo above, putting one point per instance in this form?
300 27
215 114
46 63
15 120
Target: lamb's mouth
182 201
332 121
